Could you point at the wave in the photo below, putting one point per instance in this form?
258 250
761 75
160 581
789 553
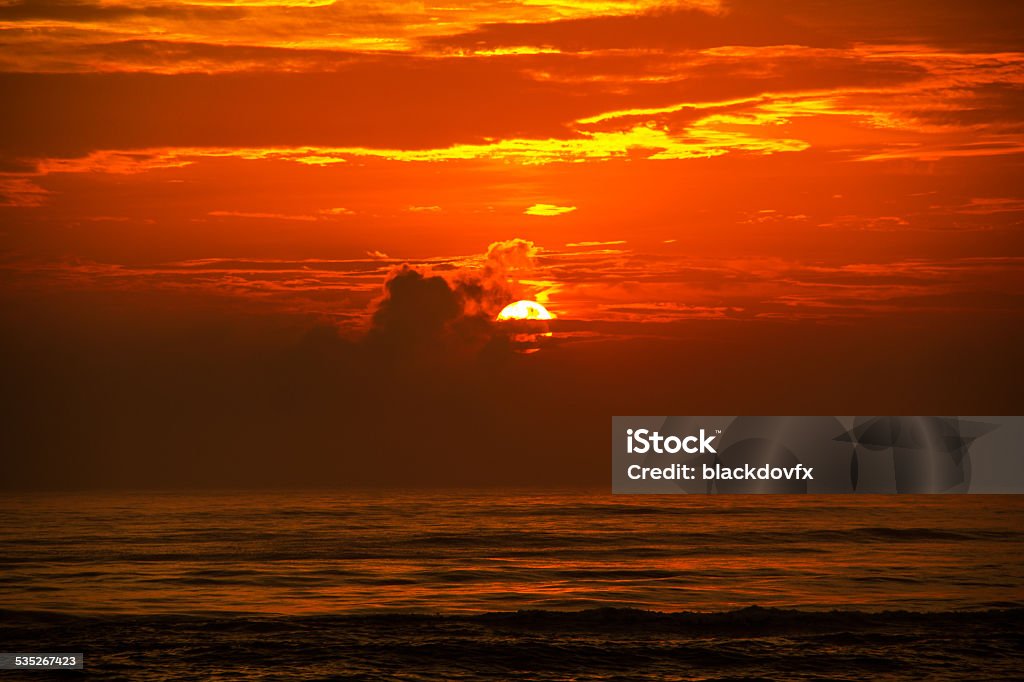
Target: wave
269 546
602 618
593 644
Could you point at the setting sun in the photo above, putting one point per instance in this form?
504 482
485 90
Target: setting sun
524 310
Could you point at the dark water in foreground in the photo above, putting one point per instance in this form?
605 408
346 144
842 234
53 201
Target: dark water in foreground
426 586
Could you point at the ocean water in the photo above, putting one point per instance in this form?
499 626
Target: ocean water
517 585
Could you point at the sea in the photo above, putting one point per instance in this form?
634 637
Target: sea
531 585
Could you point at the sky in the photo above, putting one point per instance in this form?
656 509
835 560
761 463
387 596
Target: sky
264 241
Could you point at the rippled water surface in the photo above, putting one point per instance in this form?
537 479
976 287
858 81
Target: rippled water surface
422 586
316 553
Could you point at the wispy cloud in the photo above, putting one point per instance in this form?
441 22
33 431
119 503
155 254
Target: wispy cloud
261 216
548 210
585 286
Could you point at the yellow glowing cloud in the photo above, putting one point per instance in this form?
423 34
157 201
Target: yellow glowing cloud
548 210
703 140
511 51
251 3
696 142
671 109
858 118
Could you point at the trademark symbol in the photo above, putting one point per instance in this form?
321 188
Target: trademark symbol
718 431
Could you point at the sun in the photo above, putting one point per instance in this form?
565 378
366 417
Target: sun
526 323
524 310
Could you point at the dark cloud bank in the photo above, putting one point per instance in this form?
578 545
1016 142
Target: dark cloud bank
113 390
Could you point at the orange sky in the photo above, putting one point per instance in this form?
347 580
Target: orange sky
651 165
668 159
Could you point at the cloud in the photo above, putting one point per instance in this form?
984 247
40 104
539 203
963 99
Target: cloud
88 381
679 29
548 210
178 34
507 276
988 24
557 109
514 107
513 254
66 115
482 283
308 405
992 205
21 192
109 53
261 216
88 12
499 281
589 285
424 316
416 309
